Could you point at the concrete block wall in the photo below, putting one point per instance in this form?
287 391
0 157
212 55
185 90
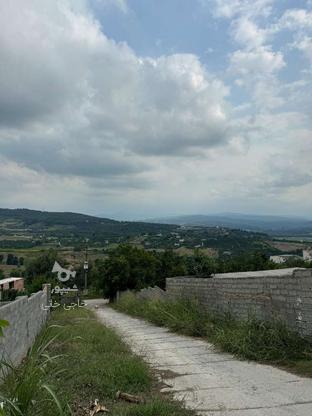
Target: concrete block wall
148 293
287 298
151 293
26 318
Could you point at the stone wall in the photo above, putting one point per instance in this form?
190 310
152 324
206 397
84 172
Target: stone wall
26 318
267 296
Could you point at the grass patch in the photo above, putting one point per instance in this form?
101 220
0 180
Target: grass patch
93 363
268 342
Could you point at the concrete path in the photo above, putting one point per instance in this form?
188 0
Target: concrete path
211 382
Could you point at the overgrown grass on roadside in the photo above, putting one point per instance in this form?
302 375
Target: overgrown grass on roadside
19 386
250 339
93 363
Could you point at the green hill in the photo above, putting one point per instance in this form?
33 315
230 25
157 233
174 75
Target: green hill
32 226
24 228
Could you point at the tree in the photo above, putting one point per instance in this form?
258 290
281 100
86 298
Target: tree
170 264
12 260
41 265
116 276
127 267
201 265
16 273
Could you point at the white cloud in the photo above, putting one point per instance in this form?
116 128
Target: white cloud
287 172
278 128
296 19
256 63
305 45
247 33
232 8
299 22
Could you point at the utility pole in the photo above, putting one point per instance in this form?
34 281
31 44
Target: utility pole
86 268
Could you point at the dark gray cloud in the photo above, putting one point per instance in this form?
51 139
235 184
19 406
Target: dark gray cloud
67 157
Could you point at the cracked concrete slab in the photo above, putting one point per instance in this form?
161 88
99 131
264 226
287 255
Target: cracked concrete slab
212 383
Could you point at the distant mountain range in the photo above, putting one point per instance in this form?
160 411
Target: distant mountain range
62 223
270 224
24 228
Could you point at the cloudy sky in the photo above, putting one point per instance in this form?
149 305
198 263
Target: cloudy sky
145 108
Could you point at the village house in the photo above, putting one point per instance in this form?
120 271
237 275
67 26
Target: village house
307 254
16 283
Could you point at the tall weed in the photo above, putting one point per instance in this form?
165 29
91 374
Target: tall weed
21 385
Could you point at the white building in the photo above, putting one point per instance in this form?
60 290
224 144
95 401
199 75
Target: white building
307 254
282 258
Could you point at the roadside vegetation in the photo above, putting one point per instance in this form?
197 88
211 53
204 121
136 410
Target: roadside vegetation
264 342
83 361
